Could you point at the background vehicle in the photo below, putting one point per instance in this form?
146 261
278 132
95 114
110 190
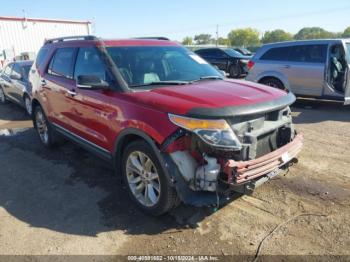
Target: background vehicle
313 68
243 51
226 59
14 84
116 98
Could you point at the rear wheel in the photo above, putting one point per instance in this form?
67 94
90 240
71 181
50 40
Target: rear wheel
2 96
46 134
28 104
273 82
145 179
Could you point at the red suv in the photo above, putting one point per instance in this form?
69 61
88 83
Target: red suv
168 122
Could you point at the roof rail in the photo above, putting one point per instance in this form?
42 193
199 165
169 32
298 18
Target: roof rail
65 38
154 37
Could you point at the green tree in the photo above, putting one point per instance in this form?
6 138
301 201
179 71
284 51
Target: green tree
187 40
313 33
346 32
223 41
277 35
203 39
244 37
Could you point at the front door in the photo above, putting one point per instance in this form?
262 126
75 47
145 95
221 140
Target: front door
91 112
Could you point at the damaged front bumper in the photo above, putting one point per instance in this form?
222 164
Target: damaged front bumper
235 176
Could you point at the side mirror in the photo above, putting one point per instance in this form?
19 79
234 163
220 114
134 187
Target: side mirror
16 77
91 82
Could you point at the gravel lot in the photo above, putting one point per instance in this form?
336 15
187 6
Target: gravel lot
66 201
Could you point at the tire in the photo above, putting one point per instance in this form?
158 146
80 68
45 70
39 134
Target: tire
28 105
47 135
145 179
3 99
273 82
235 71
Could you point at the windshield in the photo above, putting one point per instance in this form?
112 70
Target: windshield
233 52
348 52
149 65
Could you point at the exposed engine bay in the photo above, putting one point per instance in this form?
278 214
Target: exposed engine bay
266 143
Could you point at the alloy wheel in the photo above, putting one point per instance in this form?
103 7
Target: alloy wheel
28 105
143 178
41 125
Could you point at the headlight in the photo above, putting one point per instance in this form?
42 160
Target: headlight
213 132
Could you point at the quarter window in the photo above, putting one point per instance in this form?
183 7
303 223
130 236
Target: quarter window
62 63
41 56
277 54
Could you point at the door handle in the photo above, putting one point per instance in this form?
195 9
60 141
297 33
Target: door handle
72 93
43 82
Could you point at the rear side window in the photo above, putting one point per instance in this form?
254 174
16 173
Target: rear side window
276 54
308 53
40 59
61 63
17 70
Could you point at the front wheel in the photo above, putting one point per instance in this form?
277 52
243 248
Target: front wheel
273 82
145 179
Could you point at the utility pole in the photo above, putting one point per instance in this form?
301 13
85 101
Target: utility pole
217 35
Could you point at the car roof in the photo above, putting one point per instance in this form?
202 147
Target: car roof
311 41
116 42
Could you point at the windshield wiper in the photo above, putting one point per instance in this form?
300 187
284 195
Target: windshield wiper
208 78
162 83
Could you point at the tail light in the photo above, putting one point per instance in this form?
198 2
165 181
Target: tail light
250 64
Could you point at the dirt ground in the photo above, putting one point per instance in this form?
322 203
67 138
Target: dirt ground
66 201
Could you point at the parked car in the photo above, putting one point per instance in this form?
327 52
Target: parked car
243 51
226 59
313 68
14 84
166 120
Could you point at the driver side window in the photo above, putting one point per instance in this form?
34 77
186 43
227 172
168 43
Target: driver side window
90 63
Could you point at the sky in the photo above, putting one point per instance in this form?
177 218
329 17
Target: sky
179 18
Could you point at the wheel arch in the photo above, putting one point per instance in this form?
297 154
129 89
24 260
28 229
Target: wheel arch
127 136
275 75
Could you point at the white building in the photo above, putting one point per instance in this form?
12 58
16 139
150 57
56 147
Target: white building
26 35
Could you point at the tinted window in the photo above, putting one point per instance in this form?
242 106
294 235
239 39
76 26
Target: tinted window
25 71
61 63
216 53
308 53
16 70
89 63
276 54
8 70
41 56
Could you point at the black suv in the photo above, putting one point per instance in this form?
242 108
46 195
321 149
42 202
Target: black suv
226 59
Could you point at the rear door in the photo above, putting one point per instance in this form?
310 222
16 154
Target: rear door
218 58
305 69
56 85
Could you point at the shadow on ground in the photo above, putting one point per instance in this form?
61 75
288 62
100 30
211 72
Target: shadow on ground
331 111
69 190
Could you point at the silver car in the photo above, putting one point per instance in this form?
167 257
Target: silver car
312 68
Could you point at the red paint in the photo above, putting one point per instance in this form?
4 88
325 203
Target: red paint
99 115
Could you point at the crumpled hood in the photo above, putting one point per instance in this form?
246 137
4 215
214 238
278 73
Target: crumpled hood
208 95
